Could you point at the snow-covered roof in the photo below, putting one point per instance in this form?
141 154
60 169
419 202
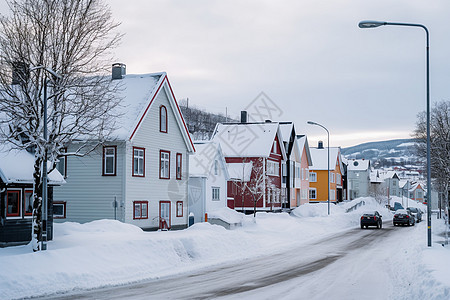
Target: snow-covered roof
286 130
381 175
247 139
17 166
320 157
201 163
240 171
137 92
358 164
302 142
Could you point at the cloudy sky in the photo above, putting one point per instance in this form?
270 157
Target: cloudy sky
309 57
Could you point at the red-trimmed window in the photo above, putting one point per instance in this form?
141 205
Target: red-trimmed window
28 203
138 162
109 160
140 210
59 210
164 164
163 119
13 203
61 165
179 162
179 208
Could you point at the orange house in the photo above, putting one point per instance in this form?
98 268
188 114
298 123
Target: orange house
318 178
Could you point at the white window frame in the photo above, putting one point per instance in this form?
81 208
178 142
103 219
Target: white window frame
273 168
311 190
312 177
138 162
215 193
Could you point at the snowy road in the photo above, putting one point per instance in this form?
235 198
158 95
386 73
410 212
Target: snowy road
355 264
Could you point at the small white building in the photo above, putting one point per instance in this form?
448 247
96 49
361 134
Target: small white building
208 176
358 178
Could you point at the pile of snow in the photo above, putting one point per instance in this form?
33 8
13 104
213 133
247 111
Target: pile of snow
228 215
106 252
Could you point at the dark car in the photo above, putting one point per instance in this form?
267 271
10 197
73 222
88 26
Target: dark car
371 218
416 212
403 217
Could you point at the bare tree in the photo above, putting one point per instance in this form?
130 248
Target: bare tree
440 145
73 38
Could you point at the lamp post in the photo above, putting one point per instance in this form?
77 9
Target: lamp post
44 165
374 24
328 159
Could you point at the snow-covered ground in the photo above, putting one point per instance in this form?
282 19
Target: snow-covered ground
106 253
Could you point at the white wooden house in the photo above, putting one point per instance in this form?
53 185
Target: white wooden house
140 175
208 176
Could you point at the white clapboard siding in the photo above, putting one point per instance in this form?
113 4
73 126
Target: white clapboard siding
89 195
151 188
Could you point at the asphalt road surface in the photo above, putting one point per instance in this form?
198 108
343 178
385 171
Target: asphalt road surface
239 280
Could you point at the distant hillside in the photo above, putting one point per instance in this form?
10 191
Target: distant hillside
385 153
201 123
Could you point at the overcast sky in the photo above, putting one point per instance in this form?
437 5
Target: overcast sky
309 57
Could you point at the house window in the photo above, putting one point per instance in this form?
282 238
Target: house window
164 164
216 193
109 160
338 178
140 210
312 177
59 210
304 194
312 193
332 195
138 162
179 160
61 165
163 119
179 208
332 177
216 167
273 168
12 203
28 205
274 146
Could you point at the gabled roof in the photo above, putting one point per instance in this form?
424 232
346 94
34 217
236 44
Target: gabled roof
248 139
358 165
201 163
137 93
320 157
302 142
381 175
17 166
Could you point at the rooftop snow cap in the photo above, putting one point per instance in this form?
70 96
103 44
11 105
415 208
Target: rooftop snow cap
119 70
244 116
320 145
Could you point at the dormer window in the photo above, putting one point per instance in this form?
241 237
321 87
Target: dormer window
163 119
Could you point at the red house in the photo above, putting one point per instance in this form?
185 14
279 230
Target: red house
254 155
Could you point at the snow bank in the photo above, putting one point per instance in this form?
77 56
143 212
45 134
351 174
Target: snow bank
228 215
106 252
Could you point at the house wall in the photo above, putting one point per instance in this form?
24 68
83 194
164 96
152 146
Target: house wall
218 181
304 183
197 198
87 193
321 185
359 181
151 188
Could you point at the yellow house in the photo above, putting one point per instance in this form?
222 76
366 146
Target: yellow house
318 179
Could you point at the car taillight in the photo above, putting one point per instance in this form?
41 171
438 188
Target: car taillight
375 218
362 217
407 216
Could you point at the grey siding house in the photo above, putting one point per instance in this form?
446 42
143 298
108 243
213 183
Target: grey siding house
140 176
358 178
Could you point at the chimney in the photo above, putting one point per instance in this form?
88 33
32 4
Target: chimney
244 116
20 72
320 145
119 70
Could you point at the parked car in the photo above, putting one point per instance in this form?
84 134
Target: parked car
371 218
416 212
397 206
403 217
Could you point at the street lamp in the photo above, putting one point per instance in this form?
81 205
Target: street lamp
373 24
328 159
44 165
